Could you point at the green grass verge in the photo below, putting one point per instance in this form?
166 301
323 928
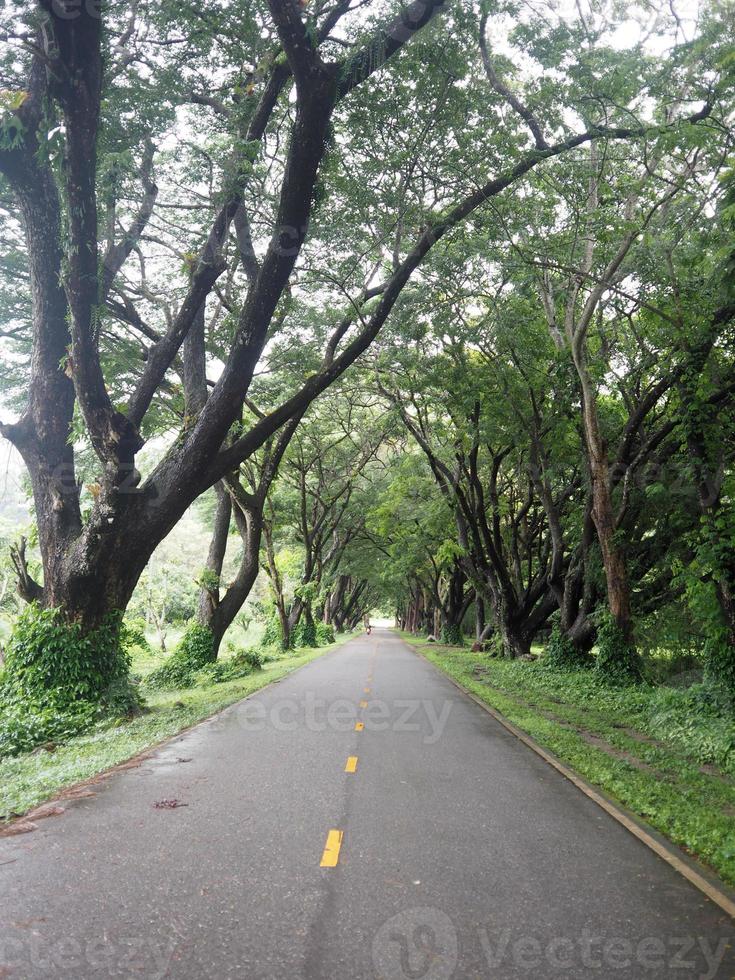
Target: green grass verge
638 744
29 779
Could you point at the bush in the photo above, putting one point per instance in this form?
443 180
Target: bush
51 662
273 635
195 651
23 727
58 681
241 665
324 634
719 660
561 653
304 635
451 635
617 660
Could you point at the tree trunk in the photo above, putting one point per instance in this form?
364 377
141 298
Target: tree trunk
613 560
479 616
221 616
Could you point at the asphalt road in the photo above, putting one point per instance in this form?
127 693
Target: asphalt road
451 850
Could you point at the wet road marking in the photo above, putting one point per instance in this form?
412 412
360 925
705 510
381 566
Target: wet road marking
330 857
363 704
359 726
366 690
351 763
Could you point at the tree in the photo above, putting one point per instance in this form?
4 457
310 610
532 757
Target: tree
284 70
320 502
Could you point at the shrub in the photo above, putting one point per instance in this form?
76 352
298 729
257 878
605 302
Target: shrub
719 660
23 727
304 635
57 681
451 635
50 661
561 653
241 665
324 634
273 635
617 660
195 651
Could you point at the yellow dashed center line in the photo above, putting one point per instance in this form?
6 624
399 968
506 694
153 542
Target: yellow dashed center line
366 690
359 726
330 857
351 763
363 704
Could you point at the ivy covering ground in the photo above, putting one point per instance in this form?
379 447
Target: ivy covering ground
668 755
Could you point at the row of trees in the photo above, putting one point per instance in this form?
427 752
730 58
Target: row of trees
573 401
212 213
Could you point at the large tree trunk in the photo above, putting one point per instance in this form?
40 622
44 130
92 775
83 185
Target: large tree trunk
454 607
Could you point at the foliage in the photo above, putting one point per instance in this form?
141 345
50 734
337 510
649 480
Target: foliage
451 634
617 661
562 654
324 634
57 680
273 634
51 661
241 664
133 638
25 726
195 651
304 634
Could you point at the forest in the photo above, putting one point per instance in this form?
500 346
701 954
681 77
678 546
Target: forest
322 310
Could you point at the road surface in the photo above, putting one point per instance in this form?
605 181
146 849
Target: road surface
360 819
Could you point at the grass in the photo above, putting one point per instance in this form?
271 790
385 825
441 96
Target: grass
29 779
660 752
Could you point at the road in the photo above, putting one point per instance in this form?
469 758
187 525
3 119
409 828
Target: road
362 818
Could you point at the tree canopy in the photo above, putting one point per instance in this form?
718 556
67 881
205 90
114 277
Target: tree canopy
436 297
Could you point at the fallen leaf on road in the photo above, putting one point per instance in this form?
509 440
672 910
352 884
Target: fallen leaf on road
168 804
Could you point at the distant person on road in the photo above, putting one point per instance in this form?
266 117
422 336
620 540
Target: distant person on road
368 627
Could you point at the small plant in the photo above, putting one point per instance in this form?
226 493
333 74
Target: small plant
195 651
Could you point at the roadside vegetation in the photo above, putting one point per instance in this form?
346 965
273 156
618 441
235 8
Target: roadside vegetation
664 752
